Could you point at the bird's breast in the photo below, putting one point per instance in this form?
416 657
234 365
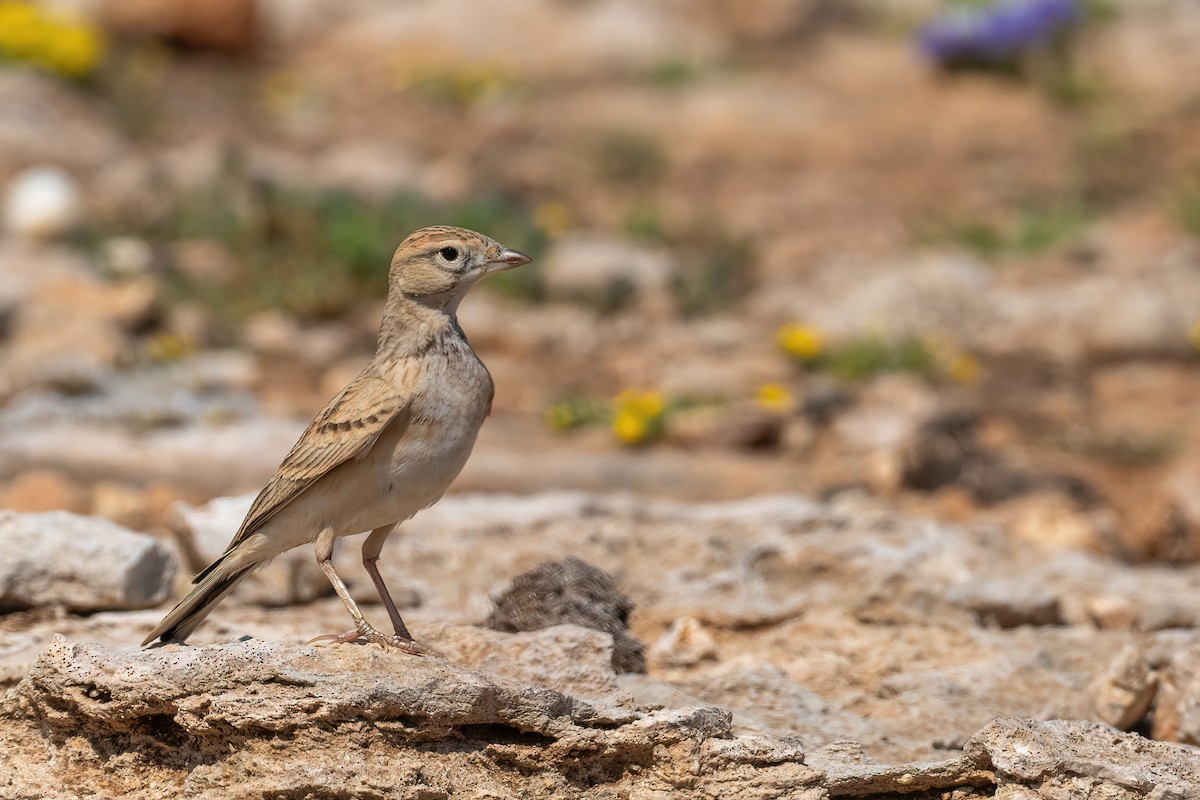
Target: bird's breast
444 418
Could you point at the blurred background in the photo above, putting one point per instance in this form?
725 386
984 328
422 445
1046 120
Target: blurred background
937 256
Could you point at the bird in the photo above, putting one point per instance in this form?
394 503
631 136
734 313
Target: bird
387 446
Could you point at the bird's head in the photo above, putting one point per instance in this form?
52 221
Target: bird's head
437 266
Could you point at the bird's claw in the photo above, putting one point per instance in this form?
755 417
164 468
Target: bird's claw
341 638
375 637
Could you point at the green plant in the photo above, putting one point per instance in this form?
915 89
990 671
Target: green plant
630 157
1128 450
577 411
1187 208
314 253
644 222
717 274
1034 229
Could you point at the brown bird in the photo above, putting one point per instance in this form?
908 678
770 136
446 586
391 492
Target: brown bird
386 447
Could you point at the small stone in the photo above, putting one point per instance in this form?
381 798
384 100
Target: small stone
1053 520
42 203
80 563
1160 616
1113 612
71 332
127 256
685 644
1010 603
1121 695
1177 708
570 591
605 274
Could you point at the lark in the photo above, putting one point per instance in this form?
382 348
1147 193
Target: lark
384 448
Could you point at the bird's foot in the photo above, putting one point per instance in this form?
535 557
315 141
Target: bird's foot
367 634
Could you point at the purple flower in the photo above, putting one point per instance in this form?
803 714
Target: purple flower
997 33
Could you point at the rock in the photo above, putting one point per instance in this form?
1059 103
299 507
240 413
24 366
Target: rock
945 449
605 274
42 203
570 591
742 427
1177 707
1068 758
566 658
1055 521
1123 692
70 333
764 699
971 305
1113 612
80 563
355 720
685 644
274 334
1158 529
203 533
211 456
1009 603
127 256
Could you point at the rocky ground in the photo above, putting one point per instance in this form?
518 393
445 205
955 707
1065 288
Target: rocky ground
861 394
794 650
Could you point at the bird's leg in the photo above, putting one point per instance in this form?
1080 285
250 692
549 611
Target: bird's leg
362 628
371 549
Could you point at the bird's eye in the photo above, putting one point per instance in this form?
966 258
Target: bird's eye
449 253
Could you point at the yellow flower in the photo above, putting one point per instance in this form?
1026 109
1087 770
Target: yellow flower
554 219
803 342
774 397
630 427
281 89
638 415
1194 334
75 50
169 347
963 368
59 43
646 404
561 417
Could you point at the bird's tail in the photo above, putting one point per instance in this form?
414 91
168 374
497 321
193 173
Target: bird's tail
212 586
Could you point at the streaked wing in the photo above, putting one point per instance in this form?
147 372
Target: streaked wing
345 429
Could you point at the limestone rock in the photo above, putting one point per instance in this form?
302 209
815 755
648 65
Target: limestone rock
685 644
1009 603
1069 758
81 563
1122 694
1177 707
71 332
566 658
272 718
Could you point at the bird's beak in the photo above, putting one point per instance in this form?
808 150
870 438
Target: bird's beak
507 259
